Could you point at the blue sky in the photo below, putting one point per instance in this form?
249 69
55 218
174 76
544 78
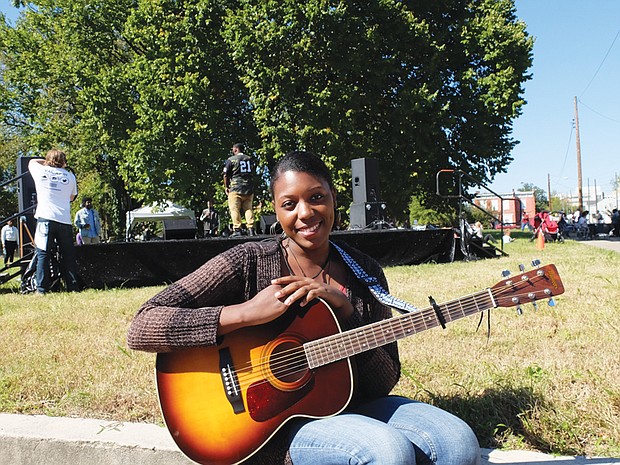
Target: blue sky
576 54
573 57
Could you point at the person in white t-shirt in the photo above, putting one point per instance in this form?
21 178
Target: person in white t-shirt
10 241
56 189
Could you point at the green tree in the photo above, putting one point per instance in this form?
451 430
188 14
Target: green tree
10 146
150 95
54 54
189 104
142 94
419 214
419 85
557 202
540 195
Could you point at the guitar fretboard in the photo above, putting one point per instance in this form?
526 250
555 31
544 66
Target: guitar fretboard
339 346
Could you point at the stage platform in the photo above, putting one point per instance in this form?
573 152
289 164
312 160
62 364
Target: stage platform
137 264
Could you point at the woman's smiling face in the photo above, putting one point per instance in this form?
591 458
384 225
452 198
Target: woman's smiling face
304 206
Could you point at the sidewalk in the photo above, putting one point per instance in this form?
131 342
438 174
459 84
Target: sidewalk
612 243
537 458
42 440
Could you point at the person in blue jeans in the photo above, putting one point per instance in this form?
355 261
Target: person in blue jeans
88 223
257 282
56 188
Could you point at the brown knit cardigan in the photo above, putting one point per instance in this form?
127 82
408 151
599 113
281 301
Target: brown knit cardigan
186 314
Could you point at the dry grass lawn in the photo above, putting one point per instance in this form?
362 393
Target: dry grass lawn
548 379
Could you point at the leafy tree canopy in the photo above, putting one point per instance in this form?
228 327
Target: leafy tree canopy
539 195
422 216
149 95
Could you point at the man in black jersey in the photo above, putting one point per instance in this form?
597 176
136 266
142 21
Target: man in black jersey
239 172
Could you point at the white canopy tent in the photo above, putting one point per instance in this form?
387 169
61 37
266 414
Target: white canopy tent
172 215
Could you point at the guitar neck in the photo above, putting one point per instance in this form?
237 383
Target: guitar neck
338 346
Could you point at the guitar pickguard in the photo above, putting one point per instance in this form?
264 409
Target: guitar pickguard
266 401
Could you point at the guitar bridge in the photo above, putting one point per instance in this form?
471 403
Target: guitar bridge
230 382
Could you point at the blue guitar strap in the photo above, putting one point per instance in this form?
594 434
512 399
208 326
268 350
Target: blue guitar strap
374 287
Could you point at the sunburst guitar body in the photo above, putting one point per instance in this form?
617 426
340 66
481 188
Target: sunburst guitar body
222 403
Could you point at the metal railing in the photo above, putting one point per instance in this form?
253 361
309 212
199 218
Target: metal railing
26 248
463 197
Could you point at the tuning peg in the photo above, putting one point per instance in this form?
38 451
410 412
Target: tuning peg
535 262
551 302
519 310
505 273
521 268
535 305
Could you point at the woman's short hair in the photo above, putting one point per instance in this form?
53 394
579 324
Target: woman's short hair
56 158
302 162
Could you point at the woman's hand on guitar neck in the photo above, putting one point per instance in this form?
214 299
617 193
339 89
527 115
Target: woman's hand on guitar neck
304 290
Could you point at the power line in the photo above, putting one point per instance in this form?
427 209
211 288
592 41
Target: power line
599 113
602 62
570 138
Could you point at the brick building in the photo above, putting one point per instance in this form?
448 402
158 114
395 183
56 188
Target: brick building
510 207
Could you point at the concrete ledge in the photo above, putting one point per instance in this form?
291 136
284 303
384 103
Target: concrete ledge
38 440
42 440
515 457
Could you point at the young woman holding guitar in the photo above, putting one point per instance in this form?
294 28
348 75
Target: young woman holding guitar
258 285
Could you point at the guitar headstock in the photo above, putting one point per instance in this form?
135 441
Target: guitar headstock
539 283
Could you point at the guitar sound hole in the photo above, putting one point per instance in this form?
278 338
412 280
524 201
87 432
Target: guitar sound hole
288 363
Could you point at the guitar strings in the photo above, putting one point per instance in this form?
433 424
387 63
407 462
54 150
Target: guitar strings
295 360
296 368
290 362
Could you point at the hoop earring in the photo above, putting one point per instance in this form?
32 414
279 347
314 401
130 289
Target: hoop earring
276 228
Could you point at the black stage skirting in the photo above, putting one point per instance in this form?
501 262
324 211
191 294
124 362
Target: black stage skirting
135 264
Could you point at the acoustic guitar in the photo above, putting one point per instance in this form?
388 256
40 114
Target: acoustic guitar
223 403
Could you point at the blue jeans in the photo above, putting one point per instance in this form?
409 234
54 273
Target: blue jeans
387 431
49 233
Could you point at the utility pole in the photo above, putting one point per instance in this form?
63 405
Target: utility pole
617 186
579 179
595 196
549 190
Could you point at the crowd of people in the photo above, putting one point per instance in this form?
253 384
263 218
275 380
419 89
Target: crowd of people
586 225
578 224
56 189
552 227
